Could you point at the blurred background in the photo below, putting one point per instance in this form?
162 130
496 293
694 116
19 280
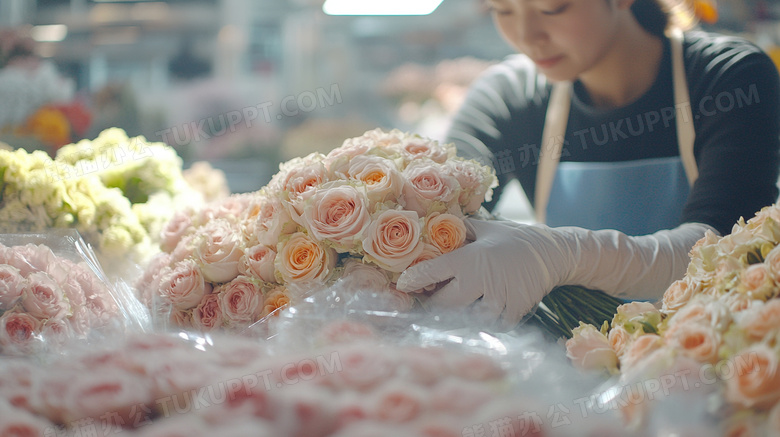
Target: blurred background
246 84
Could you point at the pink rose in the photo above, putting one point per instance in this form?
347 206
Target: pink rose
180 318
11 286
762 319
20 423
757 282
43 298
149 282
695 340
184 249
179 225
393 240
57 332
363 368
231 208
80 321
273 221
678 294
756 383
589 349
454 396
398 403
346 331
380 176
185 286
18 330
476 182
427 182
302 259
473 366
102 309
30 258
417 147
258 262
218 250
641 347
360 276
337 213
445 231
207 316
241 301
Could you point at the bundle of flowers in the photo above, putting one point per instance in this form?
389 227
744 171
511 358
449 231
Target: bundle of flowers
52 292
369 209
118 192
721 322
355 382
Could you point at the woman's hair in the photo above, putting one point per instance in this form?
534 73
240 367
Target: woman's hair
656 16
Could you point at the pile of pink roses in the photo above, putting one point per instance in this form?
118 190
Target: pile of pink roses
720 322
47 300
367 210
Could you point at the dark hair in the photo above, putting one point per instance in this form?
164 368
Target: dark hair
656 16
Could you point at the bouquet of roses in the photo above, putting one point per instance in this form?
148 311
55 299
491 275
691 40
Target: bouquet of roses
722 320
53 291
368 210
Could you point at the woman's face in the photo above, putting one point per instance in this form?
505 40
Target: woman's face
565 38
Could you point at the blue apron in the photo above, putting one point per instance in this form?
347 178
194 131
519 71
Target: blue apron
635 197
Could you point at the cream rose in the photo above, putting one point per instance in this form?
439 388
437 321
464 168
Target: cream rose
301 259
445 231
756 383
427 182
207 316
241 301
43 298
11 286
185 286
360 275
678 294
380 175
589 349
393 240
476 183
619 339
337 213
217 251
773 262
258 262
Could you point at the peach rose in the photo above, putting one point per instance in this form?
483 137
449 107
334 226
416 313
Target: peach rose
360 275
241 300
589 349
641 347
275 299
272 222
756 281
762 319
445 231
393 240
337 213
207 316
43 298
301 259
380 176
185 286
678 294
258 262
178 226
619 339
698 341
18 331
11 286
756 382
427 182
218 250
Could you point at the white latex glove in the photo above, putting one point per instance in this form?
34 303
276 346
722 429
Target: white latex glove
512 266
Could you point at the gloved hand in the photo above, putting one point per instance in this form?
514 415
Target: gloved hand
512 266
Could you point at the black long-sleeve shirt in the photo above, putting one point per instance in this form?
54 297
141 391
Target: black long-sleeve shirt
735 102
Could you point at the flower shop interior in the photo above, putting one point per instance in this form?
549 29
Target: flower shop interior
149 284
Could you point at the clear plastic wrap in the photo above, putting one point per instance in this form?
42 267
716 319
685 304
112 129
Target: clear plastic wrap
53 292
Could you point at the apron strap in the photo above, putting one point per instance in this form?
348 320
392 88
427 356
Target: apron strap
552 143
686 134
558 116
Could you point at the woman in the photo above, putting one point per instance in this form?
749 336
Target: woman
631 140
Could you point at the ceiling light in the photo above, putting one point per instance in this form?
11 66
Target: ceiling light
380 7
49 32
